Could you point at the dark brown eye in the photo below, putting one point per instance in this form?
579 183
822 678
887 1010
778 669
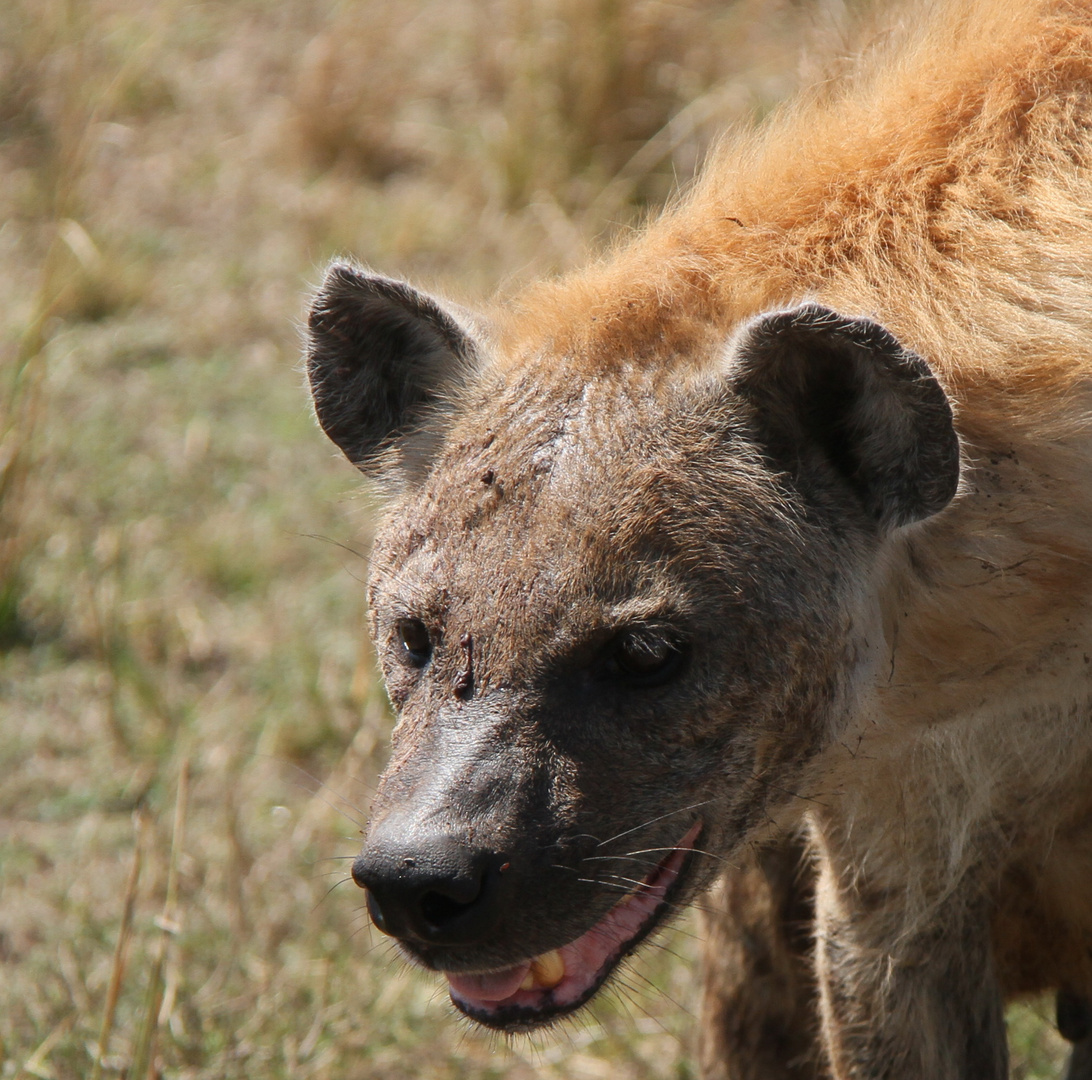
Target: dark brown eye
415 644
644 656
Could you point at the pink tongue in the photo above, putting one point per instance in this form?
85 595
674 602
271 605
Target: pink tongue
492 986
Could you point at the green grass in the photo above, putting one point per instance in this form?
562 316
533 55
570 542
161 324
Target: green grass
175 596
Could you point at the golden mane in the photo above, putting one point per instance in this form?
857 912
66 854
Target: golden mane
944 187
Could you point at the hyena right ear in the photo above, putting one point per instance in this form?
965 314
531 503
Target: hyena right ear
839 396
380 357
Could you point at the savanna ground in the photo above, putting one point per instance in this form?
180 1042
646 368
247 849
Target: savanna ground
190 726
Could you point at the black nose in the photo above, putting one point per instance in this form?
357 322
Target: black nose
434 889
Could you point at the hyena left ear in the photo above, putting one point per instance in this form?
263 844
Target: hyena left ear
842 394
381 357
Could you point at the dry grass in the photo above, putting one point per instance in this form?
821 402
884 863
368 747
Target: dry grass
190 724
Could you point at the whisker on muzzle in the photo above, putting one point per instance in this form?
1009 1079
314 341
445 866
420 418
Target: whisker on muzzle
653 821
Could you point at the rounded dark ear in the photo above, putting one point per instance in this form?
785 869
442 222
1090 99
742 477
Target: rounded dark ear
842 393
380 357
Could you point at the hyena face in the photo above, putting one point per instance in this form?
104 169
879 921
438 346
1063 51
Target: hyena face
614 616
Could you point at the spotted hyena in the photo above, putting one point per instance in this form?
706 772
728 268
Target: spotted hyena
756 561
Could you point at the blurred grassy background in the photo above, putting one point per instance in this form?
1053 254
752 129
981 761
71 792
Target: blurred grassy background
190 724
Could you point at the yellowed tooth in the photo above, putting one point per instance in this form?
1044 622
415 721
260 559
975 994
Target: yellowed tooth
548 969
528 980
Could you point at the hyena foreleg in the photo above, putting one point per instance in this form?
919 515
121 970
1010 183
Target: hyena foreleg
905 1003
1074 1015
759 1014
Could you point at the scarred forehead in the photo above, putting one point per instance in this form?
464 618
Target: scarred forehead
539 495
528 446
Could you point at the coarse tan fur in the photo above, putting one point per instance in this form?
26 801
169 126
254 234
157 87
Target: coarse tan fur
941 762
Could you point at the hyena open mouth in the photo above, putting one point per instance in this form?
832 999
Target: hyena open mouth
558 982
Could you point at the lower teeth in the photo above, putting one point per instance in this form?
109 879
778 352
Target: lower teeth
546 971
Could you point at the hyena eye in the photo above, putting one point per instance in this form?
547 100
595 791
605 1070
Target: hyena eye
414 641
643 656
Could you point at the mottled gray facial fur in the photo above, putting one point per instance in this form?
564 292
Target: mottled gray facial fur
609 612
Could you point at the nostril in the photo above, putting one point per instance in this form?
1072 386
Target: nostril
440 911
377 915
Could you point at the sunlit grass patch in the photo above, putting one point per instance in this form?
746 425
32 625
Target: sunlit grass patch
1038 1051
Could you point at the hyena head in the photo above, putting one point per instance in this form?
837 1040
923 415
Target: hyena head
615 609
